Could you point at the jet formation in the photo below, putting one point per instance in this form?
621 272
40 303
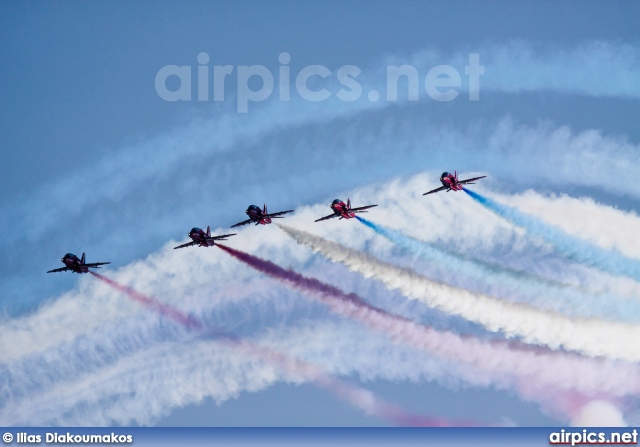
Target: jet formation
259 216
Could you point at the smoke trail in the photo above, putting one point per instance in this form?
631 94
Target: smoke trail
538 291
505 361
524 168
588 336
134 387
367 401
610 261
606 226
356 396
166 310
516 67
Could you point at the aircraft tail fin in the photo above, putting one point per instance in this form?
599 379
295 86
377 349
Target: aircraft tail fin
455 175
208 231
348 203
82 259
264 210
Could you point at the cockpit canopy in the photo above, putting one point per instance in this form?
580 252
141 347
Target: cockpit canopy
445 174
70 255
335 202
195 230
254 208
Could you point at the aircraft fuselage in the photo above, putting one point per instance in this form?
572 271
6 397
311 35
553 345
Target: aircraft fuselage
73 262
450 181
342 209
200 237
256 215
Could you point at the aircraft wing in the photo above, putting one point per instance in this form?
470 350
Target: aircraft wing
221 238
279 213
330 216
442 188
244 222
95 264
361 209
188 244
61 269
470 180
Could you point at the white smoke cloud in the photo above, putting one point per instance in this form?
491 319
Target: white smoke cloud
202 280
599 413
143 357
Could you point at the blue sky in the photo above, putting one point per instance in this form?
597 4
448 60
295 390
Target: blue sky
94 160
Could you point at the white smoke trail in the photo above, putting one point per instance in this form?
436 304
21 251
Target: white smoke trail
588 336
534 290
594 68
519 66
491 149
578 250
177 275
606 226
529 365
131 387
22 381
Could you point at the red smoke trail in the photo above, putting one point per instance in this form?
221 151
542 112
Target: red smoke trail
361 398
443 343
353 306
358 397
154 303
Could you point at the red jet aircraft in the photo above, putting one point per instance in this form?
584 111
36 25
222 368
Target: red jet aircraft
76 265
260 217
451 182
344 210
199 237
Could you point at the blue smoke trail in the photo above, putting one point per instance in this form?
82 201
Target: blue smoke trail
541 292
578 250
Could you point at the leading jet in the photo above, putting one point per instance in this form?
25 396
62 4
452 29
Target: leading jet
344 210
260 216
451 182
77 265
199 237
